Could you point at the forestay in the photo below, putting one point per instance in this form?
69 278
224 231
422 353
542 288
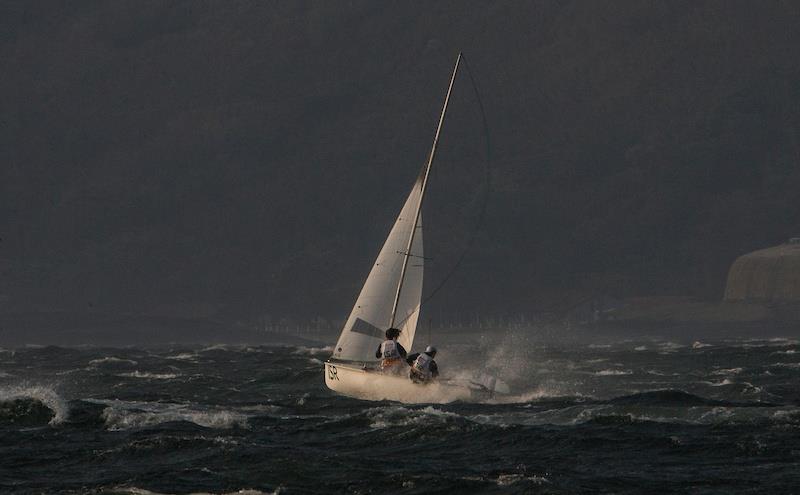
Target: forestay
372 313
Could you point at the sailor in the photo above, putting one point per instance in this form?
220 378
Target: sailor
423 367
391 353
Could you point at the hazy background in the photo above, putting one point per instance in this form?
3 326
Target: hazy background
231 160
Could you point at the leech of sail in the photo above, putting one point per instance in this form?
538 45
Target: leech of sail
422 193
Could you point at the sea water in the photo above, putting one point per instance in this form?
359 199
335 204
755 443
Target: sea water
632 416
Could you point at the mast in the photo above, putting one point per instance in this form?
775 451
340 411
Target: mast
418 209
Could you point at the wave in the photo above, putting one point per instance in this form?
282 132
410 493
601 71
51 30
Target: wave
184 356
727 371
511 479
121 415
723 382
32 404
668 397
393 416
612 372
132 490
111 360
314 350
149 376
217 347
786 365
660 373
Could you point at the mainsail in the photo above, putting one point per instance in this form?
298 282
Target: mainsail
392 294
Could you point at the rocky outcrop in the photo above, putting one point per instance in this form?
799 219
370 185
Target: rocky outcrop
771 274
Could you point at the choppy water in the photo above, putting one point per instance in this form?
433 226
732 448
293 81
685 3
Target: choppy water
627 417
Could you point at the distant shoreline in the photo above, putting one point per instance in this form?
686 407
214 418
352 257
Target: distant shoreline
642 318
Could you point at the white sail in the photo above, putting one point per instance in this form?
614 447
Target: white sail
372 313
391 297
393 290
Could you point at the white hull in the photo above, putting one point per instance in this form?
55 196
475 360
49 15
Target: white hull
350 380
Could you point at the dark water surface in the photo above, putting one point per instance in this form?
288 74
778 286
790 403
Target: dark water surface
628 417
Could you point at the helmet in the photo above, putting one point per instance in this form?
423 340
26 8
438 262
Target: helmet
430 350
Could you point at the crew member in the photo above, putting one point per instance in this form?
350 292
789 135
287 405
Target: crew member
423 367
391 353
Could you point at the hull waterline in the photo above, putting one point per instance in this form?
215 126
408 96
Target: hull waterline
353 381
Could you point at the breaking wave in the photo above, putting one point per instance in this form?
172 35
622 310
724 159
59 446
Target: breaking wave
612 372
184 356
149 376
111 360
393 416
31 405
132 490
120 415
313 350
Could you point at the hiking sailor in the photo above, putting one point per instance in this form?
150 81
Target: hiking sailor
391 353
423 367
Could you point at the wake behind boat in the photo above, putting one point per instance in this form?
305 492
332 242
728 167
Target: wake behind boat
391 298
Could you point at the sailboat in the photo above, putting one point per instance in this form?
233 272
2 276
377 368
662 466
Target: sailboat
391 297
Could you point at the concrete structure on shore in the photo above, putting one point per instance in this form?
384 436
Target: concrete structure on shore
766 275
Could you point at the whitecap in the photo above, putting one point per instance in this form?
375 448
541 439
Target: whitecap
313 350
727 371
385 417
699 345
132 490
149 376
184 356
612 372
45 394
726 381
640 348
510 479
111 360
215 347
786 365
546 391
121 415
660 373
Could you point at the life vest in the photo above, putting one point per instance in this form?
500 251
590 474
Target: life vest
422 366
392 360
389 350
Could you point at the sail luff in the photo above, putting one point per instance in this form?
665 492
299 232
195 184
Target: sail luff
423 186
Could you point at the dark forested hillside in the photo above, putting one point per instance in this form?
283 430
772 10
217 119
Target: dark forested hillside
249 157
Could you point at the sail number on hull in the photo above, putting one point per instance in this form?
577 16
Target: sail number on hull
332 373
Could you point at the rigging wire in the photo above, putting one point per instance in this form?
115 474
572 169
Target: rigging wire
482 212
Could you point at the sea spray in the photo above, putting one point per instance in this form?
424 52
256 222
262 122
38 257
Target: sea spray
36 393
